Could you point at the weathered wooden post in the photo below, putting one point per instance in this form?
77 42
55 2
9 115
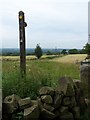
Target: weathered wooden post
22 25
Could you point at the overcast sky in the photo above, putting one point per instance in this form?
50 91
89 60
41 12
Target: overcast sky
52 23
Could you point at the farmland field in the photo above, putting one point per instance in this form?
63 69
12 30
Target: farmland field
71 58
38 73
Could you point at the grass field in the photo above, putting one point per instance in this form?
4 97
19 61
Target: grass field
71 58
31 57
38 73
65 59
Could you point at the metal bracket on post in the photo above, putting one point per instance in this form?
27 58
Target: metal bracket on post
22 25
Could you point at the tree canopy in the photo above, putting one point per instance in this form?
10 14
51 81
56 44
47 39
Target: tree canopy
73 51
64 51
38 51
87 48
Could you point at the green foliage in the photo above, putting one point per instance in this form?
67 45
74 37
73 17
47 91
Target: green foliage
49 53
82 51
52 53
30 53
73 51
10 53
64 51
38 51
87 48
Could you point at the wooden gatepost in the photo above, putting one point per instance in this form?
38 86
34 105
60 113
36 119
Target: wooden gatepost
22 25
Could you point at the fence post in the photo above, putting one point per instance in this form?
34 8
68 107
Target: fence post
22 25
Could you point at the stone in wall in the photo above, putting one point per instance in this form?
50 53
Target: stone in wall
57 99
52 104
34 102
66 86
47 99
48 107
46 91
46 115
85 78
76 112
31 113
10 104
24 103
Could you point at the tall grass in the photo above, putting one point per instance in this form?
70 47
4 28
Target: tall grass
38 74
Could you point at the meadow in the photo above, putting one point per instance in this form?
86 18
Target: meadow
38 73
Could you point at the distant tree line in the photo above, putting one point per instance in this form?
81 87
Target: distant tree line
10 53
15 53
39 51
85 50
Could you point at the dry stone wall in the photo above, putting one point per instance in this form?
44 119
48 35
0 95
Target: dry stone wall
66 102
85 78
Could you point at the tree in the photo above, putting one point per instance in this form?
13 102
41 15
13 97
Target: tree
38 51
82 51
64 51
73 51
49 52
87 48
